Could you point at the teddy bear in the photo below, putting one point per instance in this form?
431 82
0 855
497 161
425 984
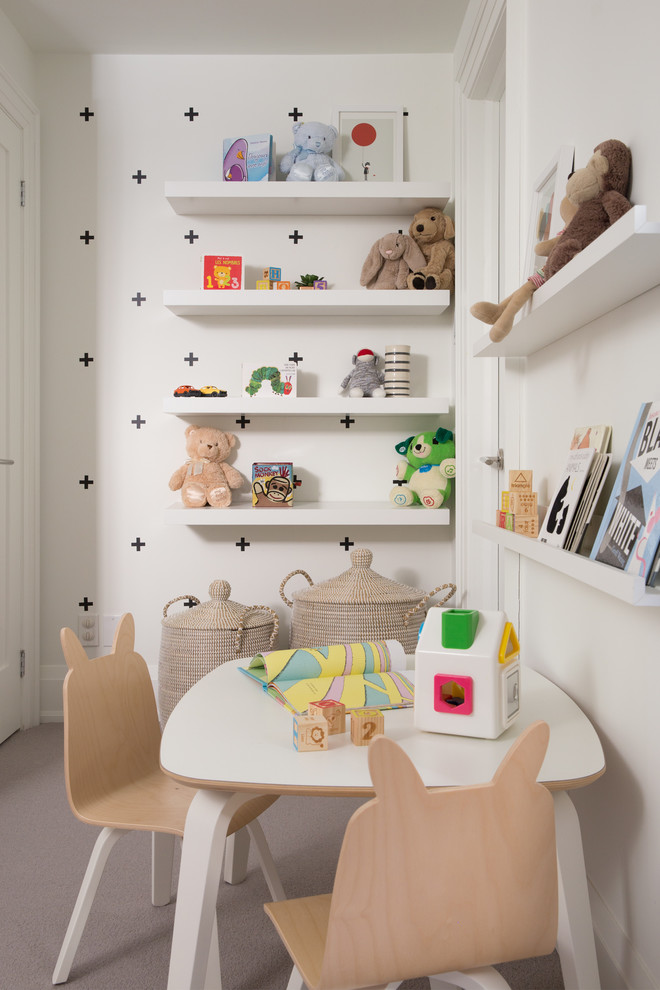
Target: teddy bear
365 378
310 159
596 197
390 261
205 478
424 477
431 230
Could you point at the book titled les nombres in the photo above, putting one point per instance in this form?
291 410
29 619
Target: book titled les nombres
223 271
630 531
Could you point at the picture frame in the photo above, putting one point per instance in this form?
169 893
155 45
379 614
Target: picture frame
369 144
545 220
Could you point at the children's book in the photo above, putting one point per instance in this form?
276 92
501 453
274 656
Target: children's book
272 484
223 271
629 534
360 675
267 381
248 159
563 506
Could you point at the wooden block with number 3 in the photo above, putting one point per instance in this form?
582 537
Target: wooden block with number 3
365 724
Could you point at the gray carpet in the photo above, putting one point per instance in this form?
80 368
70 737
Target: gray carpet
44 852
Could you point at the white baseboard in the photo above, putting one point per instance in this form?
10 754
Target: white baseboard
619 963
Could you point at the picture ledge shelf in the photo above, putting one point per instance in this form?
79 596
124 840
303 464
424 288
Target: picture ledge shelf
619 265
308 198
306 406
310 514
627 588
294 302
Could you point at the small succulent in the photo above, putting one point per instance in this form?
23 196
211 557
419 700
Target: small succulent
308 280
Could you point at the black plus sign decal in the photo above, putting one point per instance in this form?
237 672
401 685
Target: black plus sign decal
191 359
296 481
138 544
191 114
191 236
86 482
139 176
346 543
242 544
295 357
139 299
398 481
242 422
139 422
189 603
87 237
347 421
86 113
295 113
295 237
85 603
86 359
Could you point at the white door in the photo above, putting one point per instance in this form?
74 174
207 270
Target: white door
11 427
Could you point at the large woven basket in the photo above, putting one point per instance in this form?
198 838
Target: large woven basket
358 605
196 641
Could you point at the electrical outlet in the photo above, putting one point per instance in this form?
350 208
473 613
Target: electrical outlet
109 627
88 629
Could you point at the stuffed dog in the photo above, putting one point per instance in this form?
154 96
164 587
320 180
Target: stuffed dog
390 262
431 229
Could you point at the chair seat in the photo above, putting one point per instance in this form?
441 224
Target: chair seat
302 924
156 802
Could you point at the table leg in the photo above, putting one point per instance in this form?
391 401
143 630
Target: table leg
237 850
575 934
199 878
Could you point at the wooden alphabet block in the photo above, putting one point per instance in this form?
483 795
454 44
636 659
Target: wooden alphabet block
365 724
283 285
333 711
320 283
526 525
310 734
274 274
520 481
263 283
520 503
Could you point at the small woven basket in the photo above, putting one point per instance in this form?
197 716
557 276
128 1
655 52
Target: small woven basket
195 642
358 605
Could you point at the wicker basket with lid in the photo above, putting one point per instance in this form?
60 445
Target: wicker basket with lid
357 605
194 642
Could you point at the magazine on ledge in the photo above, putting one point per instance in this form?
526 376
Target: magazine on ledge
361 675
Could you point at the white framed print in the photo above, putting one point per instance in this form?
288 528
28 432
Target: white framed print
369 144
545 220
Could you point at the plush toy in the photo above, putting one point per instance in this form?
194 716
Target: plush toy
310 159
204 478
596 197
390 262
365 378
424 477
431 229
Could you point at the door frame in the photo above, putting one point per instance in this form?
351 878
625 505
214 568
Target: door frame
26 116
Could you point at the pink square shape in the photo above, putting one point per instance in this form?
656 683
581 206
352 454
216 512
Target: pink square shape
440 705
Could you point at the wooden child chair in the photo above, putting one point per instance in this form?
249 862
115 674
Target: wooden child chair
113 775
433 881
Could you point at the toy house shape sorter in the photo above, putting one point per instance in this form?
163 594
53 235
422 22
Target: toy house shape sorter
467 673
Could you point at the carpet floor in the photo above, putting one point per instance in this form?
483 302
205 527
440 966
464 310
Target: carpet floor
125 946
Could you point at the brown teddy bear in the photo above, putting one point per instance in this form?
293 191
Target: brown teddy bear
431 229
596 197
390 262
204 478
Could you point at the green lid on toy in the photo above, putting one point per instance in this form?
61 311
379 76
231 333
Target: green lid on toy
459 627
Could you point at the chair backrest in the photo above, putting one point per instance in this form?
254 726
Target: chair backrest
111 728
430 881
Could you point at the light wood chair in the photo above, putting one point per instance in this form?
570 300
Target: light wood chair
113 775
446 881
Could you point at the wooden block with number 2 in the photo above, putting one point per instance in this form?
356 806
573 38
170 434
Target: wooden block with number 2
365 724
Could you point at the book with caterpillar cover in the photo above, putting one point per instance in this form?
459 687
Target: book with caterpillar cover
360 675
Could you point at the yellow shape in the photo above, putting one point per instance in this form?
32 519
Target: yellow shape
509 647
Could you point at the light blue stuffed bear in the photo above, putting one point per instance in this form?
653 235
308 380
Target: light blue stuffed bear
310 159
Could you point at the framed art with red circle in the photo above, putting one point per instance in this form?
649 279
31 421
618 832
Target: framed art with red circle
369 145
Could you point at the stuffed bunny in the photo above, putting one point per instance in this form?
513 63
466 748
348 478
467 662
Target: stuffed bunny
390 261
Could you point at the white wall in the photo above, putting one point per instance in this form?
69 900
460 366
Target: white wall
16 59
596 79
139 245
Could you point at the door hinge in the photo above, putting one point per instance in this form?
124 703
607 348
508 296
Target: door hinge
22 663
22 192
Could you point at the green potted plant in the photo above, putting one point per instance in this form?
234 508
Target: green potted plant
307 281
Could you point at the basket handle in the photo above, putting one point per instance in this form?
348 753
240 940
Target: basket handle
420 605
241 624
282 595
179 599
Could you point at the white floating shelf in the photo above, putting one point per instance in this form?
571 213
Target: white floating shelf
619 265
294 302
610 580
310 514
310 198
303 406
